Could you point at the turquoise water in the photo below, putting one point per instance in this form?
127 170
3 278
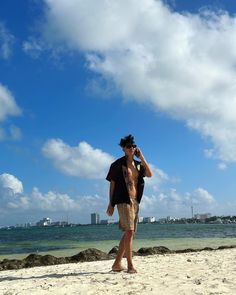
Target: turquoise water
67 241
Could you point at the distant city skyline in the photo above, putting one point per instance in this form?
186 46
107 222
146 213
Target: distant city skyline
95 220
67 96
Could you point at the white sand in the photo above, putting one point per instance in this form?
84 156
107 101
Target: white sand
204 272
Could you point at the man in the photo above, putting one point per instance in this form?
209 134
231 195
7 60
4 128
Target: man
126 189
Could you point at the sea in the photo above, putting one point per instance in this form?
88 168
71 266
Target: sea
67 241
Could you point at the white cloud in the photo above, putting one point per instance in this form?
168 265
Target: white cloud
11 184
159 177
202 197
51 201
36 204
82 161
8 106
14 199
100 88
33 47
182 64
6 42
222 166
174 203
38 47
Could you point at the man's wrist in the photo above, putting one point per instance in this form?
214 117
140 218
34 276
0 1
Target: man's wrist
143 161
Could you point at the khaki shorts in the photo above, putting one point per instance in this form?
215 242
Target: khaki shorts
128 215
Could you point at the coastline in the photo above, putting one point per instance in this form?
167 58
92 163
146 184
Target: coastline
202 272
106 245
93 254
61 242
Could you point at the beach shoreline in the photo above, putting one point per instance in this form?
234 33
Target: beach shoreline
93 254
202 272
106 245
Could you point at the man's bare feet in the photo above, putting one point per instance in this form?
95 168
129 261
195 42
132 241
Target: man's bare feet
117 267
132 270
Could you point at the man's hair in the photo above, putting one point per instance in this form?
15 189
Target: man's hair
129 139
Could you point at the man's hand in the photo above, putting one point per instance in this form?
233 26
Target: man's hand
110 210
148 171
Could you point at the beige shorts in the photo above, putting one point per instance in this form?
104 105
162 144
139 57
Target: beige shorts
128 215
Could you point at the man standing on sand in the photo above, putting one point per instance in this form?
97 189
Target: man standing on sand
126 190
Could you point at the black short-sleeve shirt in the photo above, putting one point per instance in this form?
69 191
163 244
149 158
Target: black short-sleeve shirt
115 173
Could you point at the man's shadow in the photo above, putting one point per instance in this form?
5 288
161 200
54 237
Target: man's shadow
58 276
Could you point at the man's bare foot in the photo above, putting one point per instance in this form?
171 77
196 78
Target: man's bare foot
132 270
118 267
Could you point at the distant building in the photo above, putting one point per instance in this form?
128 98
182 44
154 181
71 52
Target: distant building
59 223
95 218
202 217
169 218
149 219
162 220
140 219
44 222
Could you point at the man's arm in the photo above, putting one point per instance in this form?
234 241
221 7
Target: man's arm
148 171
110 208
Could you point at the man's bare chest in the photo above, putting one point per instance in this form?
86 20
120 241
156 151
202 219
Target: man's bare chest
132 173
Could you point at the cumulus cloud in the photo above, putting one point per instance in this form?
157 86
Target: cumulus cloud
13 197
51 201
172 202
6 42
159 177
202 197
15 202
8 105
10 183
180 64
82 161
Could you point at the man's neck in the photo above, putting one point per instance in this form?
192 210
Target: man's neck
129 159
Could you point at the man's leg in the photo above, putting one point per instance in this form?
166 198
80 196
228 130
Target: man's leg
125 246
128 249
117 264
127 219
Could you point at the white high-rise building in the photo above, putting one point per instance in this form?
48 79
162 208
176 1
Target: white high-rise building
95 218
149 219
44 222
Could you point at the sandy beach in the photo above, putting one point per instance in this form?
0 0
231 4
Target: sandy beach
205 272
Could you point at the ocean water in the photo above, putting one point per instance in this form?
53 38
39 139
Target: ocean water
67 241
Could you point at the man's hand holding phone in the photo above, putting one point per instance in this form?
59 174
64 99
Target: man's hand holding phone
137 152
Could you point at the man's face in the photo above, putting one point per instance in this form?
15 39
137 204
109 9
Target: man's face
129 149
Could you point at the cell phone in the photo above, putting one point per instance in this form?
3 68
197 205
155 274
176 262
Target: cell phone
137 153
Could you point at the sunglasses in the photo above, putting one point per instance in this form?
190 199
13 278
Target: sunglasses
129 146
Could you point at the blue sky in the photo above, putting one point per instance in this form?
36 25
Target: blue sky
77 76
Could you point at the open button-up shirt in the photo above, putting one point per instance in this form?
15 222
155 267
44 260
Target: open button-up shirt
118 173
